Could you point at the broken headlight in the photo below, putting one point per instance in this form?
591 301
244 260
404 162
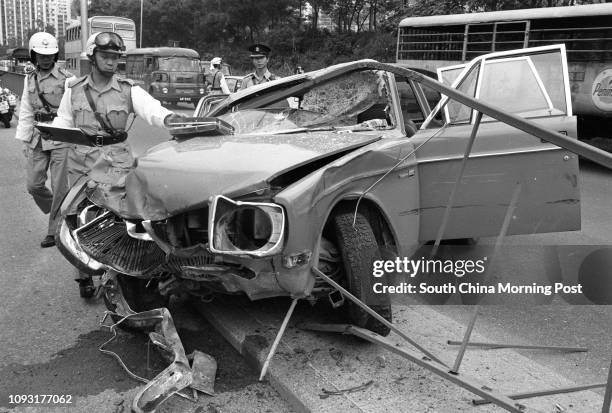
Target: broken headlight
245 228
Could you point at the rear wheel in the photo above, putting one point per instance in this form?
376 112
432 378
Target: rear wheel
359 250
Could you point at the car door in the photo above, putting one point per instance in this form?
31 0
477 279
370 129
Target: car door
504 161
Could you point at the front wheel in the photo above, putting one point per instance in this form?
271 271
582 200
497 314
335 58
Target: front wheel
359 249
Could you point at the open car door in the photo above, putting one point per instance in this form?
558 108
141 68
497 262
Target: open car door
531 83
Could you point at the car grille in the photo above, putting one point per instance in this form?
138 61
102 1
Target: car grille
108 242
175 263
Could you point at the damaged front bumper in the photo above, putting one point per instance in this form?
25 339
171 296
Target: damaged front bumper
179 374
72 251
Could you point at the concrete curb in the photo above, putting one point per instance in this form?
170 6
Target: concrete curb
307 362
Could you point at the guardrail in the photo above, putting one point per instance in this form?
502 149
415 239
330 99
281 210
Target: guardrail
13 81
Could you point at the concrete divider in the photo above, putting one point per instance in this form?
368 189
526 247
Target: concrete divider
308 362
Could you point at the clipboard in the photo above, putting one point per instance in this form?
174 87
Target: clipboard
68 135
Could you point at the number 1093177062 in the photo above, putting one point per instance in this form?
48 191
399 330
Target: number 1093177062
40 399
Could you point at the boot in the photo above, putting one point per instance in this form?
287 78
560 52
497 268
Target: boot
49 241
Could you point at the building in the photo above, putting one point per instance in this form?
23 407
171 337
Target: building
19 17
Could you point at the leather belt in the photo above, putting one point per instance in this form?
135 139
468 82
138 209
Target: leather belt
103 140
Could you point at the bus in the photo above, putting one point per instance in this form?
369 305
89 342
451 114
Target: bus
430 42
124 27
169 74
17 59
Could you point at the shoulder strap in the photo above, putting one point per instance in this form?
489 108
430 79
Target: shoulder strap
74 82
108 128
125 80
46 104
214 79
65 73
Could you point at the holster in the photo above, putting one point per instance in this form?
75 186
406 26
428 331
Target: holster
44 117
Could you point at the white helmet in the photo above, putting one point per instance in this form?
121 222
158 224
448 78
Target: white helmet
215 61
107 41
43 43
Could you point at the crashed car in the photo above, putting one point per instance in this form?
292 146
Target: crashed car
335 169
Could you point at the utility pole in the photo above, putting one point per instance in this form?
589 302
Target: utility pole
83 60
141 1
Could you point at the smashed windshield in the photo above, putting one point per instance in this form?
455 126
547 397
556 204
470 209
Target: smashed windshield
354 101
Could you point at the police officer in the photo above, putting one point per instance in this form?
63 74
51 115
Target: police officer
100 104
259 57
42 91
218 84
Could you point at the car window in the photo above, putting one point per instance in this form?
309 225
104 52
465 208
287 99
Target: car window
457 112
549 67
514 86
410 106
231 84
447 75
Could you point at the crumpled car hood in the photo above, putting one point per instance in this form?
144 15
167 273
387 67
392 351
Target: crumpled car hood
177 176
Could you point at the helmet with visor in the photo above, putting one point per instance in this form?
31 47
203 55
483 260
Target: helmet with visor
104 41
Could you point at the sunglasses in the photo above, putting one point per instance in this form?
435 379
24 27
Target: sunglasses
109 40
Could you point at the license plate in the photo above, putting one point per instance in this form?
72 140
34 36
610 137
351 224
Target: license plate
184 99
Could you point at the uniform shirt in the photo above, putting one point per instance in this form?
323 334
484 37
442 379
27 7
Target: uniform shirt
52 86
252 79
114 102
219 84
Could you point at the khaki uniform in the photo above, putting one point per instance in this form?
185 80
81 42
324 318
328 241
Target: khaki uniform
42 155
219 84
105 165
252 79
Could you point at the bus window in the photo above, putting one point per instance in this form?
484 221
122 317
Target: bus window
510 35
126 31
97 26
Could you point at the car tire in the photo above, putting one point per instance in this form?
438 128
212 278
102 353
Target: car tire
141 295
359 249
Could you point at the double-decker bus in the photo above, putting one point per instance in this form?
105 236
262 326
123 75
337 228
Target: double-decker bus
169 74
431 42
124 27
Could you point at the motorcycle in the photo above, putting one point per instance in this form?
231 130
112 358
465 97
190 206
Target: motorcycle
5 111
12 101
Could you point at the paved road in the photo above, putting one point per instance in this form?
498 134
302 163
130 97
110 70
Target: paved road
49 337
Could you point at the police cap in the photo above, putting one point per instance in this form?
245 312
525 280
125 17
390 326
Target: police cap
259 50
